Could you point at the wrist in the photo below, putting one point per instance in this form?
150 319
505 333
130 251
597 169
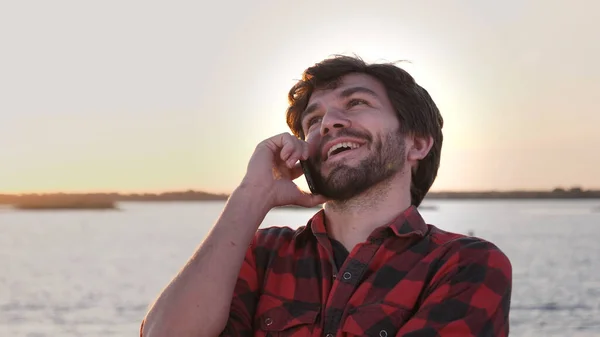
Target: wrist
257 197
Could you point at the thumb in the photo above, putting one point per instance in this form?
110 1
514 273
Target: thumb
310 200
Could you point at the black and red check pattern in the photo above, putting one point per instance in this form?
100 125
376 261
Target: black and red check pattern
407 279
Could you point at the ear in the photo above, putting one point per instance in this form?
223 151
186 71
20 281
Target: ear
420 148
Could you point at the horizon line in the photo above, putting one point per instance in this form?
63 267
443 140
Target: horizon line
156 192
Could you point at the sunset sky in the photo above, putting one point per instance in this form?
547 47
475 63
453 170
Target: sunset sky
142 96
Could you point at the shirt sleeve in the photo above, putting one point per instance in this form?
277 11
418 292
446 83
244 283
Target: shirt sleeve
469 297
244 300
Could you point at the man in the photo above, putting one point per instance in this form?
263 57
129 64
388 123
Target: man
366 264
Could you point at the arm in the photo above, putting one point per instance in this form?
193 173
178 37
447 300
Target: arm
197 302
470 296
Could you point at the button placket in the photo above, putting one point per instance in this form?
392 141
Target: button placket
350 274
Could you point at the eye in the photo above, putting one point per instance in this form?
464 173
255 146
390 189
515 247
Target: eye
356 101
311 121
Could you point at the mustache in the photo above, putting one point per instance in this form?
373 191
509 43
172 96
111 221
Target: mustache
343 133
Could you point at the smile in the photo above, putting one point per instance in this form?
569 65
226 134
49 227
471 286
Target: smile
340 148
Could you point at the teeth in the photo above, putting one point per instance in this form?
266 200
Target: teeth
340 145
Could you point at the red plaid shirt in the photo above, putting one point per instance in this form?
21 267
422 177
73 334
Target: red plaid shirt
407 279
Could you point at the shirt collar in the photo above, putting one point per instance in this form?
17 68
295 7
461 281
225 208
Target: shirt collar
409 222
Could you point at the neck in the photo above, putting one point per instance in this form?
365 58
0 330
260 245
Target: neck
352 221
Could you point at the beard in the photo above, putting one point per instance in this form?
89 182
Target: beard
386 158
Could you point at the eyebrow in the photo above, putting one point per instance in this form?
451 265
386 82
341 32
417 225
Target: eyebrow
344 94
351 91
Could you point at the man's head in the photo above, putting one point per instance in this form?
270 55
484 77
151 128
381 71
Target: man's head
379 121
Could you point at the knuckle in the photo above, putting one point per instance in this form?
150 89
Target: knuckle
262 143
285 136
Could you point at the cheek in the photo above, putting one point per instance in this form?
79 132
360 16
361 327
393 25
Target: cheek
378 122
312 137
383 134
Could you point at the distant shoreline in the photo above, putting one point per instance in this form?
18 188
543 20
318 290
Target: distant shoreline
190 195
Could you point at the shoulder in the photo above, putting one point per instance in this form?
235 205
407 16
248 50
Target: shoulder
278 236
457 253
455 242
276 242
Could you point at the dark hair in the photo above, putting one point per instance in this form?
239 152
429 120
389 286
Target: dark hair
415 109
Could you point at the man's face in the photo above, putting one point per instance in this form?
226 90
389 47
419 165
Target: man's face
354 132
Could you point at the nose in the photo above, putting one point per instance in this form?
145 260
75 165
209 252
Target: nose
333 119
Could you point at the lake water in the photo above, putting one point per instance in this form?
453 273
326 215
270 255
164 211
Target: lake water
93 273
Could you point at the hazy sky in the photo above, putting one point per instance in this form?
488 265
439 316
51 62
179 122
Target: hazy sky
148 96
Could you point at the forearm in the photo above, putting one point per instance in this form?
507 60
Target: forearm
197 301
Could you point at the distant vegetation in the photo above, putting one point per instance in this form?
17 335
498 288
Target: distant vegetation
98 200
53 205
557 193
63 201
108 200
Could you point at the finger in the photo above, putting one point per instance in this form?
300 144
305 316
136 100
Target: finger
302 153
296 171
305 151
286 152
290 145
277 143
297 149
294 158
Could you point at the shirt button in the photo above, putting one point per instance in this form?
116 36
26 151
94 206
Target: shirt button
268 321
383 333
347 276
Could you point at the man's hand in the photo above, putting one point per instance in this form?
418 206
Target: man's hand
272 169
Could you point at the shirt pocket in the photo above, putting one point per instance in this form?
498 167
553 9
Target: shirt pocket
375 320
278 318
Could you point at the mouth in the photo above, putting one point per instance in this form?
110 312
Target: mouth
340 148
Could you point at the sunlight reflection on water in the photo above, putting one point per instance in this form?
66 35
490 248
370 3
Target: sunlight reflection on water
80 273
